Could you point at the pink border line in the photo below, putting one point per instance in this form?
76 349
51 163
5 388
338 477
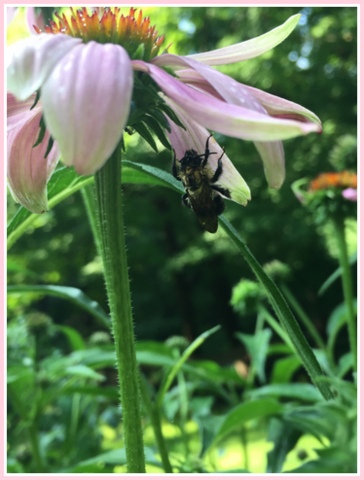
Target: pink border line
282 3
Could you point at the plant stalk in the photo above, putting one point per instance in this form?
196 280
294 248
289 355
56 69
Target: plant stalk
34 442
284 313
339 227
155 418
111 232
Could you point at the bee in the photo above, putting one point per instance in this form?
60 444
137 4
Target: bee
202 195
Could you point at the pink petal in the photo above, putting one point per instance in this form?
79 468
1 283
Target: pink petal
31 60
19 112
231 120
224 86
28 170
272 155
86 103
250 48
281 108
205 77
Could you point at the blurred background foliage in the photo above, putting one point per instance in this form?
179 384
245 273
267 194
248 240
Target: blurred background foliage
182 278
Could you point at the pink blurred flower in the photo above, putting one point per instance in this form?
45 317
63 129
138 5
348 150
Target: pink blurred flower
350 194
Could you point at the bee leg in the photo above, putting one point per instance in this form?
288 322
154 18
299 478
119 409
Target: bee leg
218 171
186 201
223 191
174 167
207 151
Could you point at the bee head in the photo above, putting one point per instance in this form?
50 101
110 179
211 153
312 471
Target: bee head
191 159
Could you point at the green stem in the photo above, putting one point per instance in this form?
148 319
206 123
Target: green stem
88 197
274 324
34 442
154 415
283 312
244 441
339 226
113 250
303 317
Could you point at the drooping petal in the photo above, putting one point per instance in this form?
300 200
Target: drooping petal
205 77
86 103
272 155
217 115
194 137
282 108
28 170
31 60
250 48
222 86
18 112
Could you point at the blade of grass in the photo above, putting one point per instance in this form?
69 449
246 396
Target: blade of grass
184 357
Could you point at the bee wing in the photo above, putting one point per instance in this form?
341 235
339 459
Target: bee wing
204 211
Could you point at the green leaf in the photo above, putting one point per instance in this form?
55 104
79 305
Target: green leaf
155 359
217 373
144 132
98 357
171 114
335 275
344 365
303 392
114 457
110 393
70 294
284 369
284 438
118 457
257 346
325 420
209 427
248 410
75 339
184 357
336 321
155 354
84 372
158 130
155 175
22 390
14 266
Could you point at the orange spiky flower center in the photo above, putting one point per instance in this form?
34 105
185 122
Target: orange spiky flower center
339 180
109 25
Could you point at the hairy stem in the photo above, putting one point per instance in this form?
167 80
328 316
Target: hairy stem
111 233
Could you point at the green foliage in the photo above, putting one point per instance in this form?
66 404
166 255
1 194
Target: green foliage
246 297
245 382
